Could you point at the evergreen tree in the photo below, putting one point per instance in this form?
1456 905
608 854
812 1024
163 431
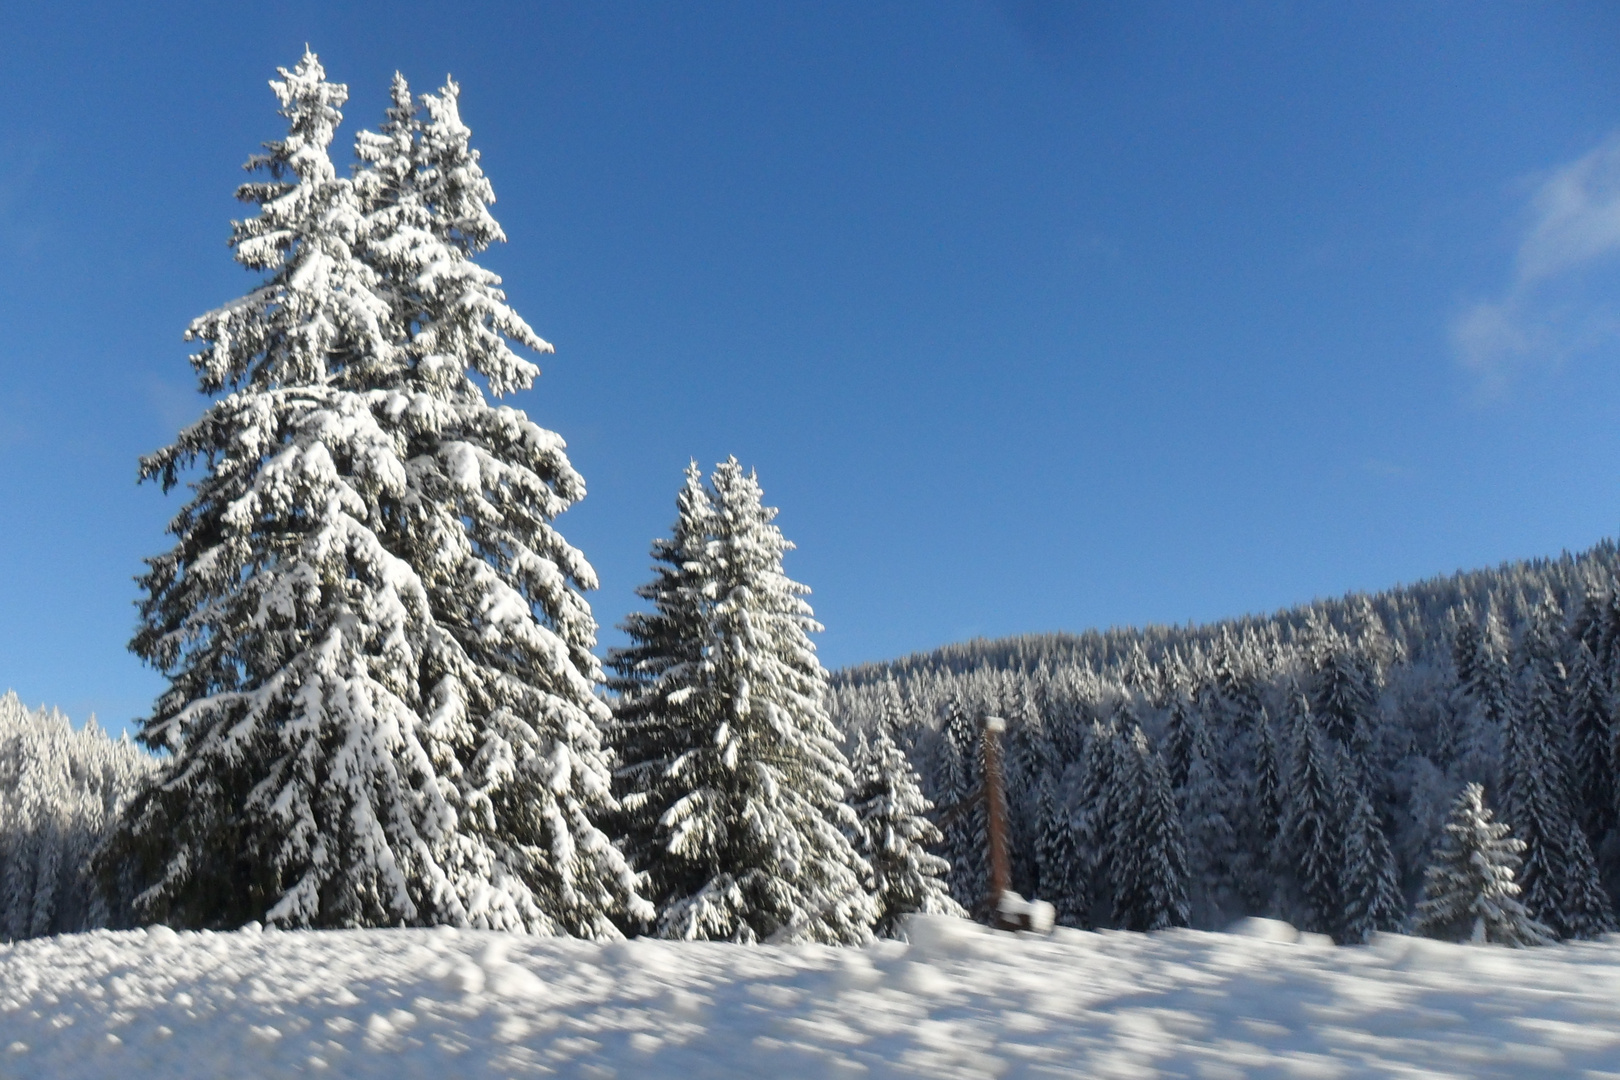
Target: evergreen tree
1183 732
1559 876
1202 802
1469 891
1343 697
1027 757
1097 818
1232 682
897 717
1314 838
659 717
738 811
1372 895
894 834
381 704
1150 864
1594 624
1591 728
1480 656
1268 788
961 806
1540 647
1467 650
1064 880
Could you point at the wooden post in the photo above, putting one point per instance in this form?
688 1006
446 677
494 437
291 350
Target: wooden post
995 813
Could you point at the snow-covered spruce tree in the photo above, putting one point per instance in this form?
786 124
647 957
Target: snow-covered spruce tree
898 717
1342 695
1267 797
1027 755
1372 895
659 716
381 703
1150 863
1480 655
1315 839
961 807
1202 801
1469 892
1184 735
1064 875
1099 825
734 779
1559 876
895 833
1592 734
61 791
1541 647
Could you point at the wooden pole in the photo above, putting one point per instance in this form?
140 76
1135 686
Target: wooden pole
995 813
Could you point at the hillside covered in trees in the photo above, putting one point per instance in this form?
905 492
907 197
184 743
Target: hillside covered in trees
1297 765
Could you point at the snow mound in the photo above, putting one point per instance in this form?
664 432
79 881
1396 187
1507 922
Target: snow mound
957 1001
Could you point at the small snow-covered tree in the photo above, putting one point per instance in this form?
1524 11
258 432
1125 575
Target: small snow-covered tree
1469 891
733 775
381 705
895 833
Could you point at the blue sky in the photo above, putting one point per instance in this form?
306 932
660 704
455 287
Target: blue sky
1031 317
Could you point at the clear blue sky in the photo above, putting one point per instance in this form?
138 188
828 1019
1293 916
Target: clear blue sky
1031 317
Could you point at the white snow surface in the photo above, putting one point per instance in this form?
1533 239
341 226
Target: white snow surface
958 1001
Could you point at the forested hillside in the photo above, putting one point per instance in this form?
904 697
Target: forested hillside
60 793
1299 764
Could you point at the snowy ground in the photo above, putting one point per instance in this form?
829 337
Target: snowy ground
958 1002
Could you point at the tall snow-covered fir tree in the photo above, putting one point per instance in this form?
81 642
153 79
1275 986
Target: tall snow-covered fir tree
1202 801
1559 876
1469 891
381 705
1315 839
1064 873
734 785
659 717
895 834
960 801
1343 696
1150 864
1266 818
1592 735
1372 895
1098 817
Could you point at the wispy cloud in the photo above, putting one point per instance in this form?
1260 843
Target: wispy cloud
1544 316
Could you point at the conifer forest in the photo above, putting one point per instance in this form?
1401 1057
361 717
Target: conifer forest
385 706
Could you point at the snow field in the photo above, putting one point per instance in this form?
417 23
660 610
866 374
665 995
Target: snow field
959 1001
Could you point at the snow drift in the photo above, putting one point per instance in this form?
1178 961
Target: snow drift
957 1001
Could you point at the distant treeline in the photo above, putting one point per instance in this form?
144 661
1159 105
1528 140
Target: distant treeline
1298 765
